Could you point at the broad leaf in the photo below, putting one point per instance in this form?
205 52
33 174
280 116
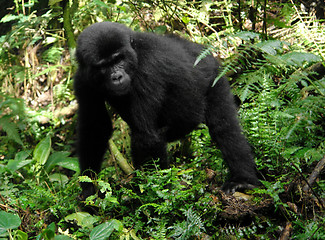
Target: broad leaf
104 230
8 221
42 151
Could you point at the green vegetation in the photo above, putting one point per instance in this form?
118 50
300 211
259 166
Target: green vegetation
274 57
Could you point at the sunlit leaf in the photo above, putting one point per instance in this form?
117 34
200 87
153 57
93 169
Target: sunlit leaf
104 230
83 219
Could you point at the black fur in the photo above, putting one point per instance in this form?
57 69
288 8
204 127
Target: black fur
151 81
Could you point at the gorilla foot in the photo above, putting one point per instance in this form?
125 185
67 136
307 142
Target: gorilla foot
86 192
233 186
89 189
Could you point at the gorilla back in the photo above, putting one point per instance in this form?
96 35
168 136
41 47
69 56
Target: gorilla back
151 81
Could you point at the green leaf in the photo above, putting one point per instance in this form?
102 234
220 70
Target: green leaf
299 58
58 177
101 4
207 51
20 235
160 29
84 179
246 36
8 221
42 151
104 230
83 219
122 8
20 161
70 163
48 233
14 165
21 156
186 19
52 227
9 17
271 46
62 237
61 159
52 2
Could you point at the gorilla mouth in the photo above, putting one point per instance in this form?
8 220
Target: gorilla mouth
117 82
118 87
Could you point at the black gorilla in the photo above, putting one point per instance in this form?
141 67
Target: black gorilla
151 81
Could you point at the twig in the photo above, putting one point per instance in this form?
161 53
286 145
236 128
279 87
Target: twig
2 198
286 232
321 202
312 177
5 207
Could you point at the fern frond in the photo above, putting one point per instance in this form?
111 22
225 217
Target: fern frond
308 33
11 129
227 68
193 226
206 52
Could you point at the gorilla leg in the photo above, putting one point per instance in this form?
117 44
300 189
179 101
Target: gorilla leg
145 147
225 131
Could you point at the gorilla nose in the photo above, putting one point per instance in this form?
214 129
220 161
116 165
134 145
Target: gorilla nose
117 77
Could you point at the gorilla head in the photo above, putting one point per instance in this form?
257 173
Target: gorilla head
109 65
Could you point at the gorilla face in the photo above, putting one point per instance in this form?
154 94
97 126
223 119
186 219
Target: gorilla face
115 73
110 58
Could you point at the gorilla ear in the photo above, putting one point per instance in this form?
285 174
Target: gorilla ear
132 41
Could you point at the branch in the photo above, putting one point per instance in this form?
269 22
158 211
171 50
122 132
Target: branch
121 161
67 25
312 177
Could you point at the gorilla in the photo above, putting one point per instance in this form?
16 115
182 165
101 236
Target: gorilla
151 82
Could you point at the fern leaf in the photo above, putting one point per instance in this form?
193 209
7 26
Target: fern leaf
11 129
206 52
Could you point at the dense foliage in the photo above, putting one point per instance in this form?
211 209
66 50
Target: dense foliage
274 57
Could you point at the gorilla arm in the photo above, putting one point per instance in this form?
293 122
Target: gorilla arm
94 131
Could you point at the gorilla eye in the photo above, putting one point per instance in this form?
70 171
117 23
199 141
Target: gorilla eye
100 63
116 57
